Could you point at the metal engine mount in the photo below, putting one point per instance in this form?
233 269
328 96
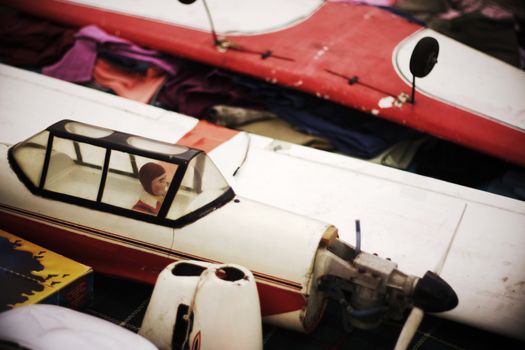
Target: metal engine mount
371 289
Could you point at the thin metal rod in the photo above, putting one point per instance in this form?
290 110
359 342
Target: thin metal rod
213 33
357 237
413 98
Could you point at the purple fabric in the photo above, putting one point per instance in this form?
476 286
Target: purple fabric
459 8
198 88
369 2
77 65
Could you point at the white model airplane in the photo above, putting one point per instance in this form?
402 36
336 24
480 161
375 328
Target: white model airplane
86 192
409 218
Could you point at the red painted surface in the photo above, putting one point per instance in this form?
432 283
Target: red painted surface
359 41
276 301
196 345
126 262
206 136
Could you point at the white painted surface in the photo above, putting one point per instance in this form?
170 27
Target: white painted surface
15 194
267 240
226 314
51 327
288 242
468 79
229 16
486 254
31 102
102 109
404 216
291 239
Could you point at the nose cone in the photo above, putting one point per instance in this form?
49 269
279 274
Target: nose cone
433 294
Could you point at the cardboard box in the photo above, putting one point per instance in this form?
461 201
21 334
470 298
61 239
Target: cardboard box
31 274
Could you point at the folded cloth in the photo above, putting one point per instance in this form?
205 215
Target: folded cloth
78 63
133 85
350 131
198 88
30 43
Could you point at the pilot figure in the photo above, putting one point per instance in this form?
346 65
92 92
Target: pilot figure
154 181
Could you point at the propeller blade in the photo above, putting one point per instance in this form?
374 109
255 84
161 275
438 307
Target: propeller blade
441 263
432 294
409 329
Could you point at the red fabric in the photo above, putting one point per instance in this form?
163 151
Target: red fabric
133 85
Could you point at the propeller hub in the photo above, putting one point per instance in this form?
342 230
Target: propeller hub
433 294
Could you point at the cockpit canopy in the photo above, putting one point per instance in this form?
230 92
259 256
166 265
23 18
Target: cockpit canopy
121 173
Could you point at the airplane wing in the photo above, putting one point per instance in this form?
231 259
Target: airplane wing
355 55
406 217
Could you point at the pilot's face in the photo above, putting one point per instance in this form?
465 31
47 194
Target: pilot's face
159 185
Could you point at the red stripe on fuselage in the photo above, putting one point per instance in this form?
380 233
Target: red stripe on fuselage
123 261
105 257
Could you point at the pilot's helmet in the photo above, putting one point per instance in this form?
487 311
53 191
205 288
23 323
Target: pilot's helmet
147 173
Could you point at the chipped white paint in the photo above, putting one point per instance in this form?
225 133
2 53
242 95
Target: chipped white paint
390 101
320 53
386 102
